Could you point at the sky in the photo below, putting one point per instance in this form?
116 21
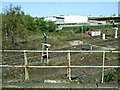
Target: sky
44 9
59 0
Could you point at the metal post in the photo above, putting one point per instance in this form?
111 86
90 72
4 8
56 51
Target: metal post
26 67
103 36
91 49
103 67
47 55
42 52
82 30
68 68
116 32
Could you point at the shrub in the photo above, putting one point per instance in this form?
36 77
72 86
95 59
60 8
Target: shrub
109 77
79 31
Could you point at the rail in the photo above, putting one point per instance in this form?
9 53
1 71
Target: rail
26 66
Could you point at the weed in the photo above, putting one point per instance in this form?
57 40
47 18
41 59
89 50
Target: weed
33 80
91 75
109 77
90 81
58 37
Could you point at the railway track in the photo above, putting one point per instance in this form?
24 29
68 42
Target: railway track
80 73
105 41
86 46
84 73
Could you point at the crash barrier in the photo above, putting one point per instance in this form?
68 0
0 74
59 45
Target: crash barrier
69 66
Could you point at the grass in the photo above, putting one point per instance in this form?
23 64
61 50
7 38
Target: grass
90 81
56 39
109 77
91 75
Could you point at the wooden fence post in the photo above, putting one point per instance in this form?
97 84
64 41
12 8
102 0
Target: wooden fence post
26 67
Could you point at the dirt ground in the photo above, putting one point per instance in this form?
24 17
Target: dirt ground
84 75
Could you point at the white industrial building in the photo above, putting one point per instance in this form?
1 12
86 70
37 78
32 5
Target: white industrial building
52 18
72 19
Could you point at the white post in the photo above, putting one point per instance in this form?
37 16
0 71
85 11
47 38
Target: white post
68 68
91 49
82 30
103 67
116 32
42 52
26 67
47 55
103 36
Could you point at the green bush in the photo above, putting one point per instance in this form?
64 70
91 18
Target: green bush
79 31
84 30
106 31
109 77
87 29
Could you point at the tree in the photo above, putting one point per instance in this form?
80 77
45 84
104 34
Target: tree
43 25
13 22
114 14
51 26
29 22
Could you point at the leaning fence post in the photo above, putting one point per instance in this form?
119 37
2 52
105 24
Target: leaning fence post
26 66
103 67
68 68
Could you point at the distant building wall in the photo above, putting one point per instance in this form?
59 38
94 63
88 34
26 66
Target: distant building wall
75 19
87 26
50 19
59 19
96 22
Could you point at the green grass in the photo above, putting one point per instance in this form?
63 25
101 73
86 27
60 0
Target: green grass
91 75
109 77
56 39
